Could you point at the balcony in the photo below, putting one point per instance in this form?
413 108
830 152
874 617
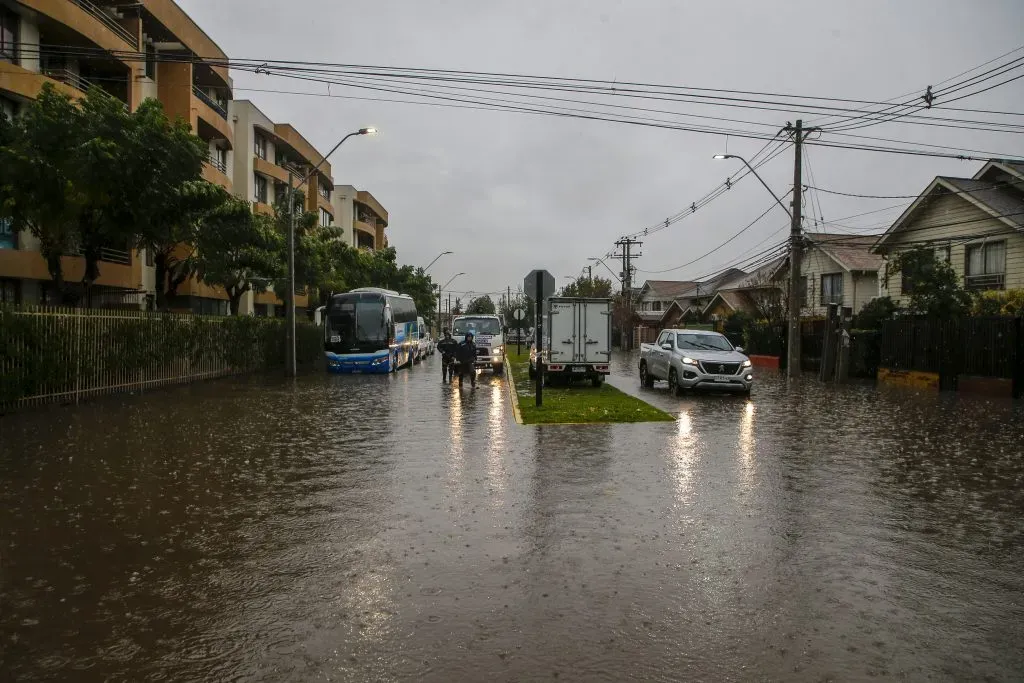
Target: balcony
108 21
217 163
83 85
210 102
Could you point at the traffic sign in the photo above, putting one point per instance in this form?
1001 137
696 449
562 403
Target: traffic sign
547 284
518 314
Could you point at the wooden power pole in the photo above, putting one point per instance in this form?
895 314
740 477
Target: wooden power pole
795 260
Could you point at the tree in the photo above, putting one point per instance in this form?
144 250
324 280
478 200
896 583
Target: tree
591 288
874 313
238 250
482 305
932 285
769 296
38 188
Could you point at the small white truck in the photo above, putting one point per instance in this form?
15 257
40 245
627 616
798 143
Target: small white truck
577 340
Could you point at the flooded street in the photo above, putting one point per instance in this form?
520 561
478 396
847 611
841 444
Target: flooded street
375 528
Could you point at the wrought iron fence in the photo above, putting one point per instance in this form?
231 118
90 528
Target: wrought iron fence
64 355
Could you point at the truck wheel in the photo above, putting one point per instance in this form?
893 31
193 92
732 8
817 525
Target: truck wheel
673 383
645 377
597 381
499 369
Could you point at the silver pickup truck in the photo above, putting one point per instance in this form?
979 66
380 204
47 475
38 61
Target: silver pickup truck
695 359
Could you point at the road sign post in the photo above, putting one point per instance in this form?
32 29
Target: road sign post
539 336
518 314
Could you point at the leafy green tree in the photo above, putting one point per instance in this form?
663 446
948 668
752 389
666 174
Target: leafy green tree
238 250
482 305
931 285
591 288
874 313
38 174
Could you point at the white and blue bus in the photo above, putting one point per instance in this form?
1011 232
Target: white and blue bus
370 330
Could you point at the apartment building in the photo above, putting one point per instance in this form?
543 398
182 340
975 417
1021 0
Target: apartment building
362 218
78 44
266 153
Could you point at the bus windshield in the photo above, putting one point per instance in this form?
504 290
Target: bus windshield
356 323
476 326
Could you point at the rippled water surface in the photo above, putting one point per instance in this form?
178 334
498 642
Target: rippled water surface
377 528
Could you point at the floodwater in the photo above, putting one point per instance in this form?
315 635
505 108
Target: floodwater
382 528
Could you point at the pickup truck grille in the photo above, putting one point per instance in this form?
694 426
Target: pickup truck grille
712 368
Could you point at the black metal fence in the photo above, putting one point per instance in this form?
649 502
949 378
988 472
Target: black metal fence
981 347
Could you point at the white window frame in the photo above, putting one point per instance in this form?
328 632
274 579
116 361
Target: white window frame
833 278
259 181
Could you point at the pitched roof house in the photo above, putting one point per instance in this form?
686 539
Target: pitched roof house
839 268
975 224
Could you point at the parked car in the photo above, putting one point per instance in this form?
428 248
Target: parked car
695 359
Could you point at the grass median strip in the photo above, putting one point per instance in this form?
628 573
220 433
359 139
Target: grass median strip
580 403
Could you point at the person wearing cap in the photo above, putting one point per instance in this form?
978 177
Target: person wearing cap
466 356
449 350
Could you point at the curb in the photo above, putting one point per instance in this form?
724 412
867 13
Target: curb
513 395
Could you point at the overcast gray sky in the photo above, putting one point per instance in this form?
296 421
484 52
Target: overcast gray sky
510 192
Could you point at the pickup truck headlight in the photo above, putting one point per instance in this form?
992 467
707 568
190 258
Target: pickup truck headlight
688 361
746 363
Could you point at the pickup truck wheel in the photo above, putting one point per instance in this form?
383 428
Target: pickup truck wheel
645 377
673 383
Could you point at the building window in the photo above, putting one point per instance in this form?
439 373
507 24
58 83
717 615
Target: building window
325 218
151 61
205 306
10 292
986 266
261 188
260 147
9 25
656 306
8 108
832 288
325 192
150 261
8 240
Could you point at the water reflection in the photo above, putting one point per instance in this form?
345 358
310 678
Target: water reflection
683 455
747 445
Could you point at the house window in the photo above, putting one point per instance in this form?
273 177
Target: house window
150 261
260 147
831 288
986 266
9 24
325 192
261 188
10 291
151 61
656 306
325 218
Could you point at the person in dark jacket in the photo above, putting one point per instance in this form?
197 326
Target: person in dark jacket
448 348
466 356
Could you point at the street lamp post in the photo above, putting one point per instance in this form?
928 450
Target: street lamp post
601 261
290 303
443 253
439 292
756 175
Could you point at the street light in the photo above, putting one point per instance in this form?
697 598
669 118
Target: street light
440 290
290 304
443 253
601 261
736 156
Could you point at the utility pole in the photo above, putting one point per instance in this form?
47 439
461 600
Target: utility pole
290 303
627 244
795 258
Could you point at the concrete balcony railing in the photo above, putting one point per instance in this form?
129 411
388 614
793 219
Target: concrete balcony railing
75 81
210 102
108 21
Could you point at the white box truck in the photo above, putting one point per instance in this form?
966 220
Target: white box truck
577 339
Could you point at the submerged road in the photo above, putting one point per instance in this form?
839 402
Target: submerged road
382 528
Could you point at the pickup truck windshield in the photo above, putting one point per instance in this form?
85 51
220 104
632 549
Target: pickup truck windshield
702 342
477 326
